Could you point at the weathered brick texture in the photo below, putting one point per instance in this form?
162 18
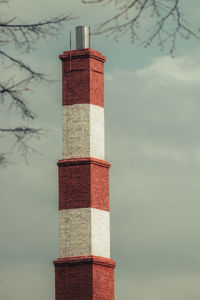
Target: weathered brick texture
84 278
83 77
83 183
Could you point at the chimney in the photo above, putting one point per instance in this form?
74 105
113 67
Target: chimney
84 269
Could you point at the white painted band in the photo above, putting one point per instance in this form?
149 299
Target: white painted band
83 131
83 232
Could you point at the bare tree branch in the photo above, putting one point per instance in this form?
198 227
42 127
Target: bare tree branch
3 1
21 135
164 17
3 160
23 36
14 92
23 66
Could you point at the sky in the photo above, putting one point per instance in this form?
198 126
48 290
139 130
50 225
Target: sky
153 143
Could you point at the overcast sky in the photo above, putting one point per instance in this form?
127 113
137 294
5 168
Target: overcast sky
152 120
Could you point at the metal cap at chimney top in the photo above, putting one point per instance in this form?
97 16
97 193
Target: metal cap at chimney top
82 37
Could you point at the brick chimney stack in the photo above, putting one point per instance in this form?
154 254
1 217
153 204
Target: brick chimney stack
84 270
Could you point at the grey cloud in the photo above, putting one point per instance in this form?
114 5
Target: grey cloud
154 129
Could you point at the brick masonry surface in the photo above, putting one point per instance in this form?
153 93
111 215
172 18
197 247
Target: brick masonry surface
84 278
83 183
83 77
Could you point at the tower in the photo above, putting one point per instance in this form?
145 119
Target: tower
84 270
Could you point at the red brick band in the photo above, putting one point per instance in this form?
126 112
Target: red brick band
93 279
80 260
83 77
84 183
82 53
83 161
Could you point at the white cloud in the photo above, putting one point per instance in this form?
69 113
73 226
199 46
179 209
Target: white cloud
184 69
157 108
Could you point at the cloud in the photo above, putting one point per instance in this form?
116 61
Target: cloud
160 106
19 281
153 143
161 288
184 69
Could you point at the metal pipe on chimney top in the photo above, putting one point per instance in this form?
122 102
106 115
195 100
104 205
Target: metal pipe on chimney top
82 37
